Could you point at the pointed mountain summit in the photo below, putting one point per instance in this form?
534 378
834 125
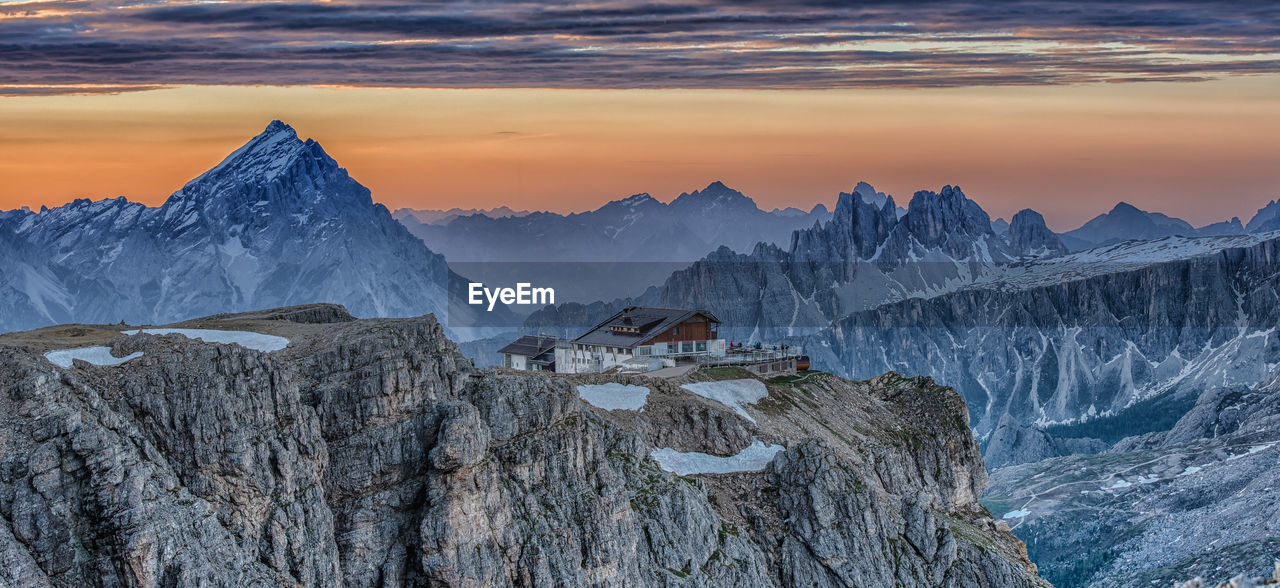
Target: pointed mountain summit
855 231
715 196
1124 222
869 195
274 171
945 224
278 222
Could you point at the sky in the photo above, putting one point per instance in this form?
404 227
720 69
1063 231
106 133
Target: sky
1066 108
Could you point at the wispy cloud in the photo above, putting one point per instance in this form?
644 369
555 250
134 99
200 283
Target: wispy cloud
60 46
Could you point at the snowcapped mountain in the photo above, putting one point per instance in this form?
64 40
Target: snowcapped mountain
31 294
276 223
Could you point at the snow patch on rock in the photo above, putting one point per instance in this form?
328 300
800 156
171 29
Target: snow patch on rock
752 459
614 396
249 339
96 355
734 394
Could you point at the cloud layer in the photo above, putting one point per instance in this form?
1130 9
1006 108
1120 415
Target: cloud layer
60 46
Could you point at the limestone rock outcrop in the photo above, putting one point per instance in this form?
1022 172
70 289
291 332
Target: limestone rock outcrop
370 453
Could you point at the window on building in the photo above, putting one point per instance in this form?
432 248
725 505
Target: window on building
701 346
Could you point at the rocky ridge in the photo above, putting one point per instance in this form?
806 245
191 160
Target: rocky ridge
367 452
1197 500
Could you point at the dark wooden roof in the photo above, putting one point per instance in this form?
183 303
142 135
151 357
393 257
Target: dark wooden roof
530 345
649 321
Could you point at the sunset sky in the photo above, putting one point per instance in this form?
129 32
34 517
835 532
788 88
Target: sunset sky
1065 108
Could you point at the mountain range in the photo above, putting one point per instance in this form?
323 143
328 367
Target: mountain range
1028 333
1126 222
1196 500
277 222
638 228
1129 339
1084 373
444 217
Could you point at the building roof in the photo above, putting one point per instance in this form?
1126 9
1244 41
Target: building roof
637 325
530 345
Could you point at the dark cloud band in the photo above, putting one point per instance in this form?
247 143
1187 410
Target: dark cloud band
56 46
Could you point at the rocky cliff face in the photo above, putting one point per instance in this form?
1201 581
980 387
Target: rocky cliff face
1068 348
1197 500
368 453
1013 443
865 256
949 223
1028 235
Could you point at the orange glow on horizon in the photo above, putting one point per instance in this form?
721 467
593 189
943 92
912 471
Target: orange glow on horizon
1202 151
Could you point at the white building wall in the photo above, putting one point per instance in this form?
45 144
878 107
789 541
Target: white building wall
565 361
597 358
516 362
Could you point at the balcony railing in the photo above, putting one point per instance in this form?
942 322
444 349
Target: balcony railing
737 355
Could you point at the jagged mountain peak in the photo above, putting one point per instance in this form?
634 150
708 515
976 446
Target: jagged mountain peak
862 193
944 223
266 157
931 214
868 194
636 199
1266 219
1029 235
276 222
715 194
628 205
274 170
